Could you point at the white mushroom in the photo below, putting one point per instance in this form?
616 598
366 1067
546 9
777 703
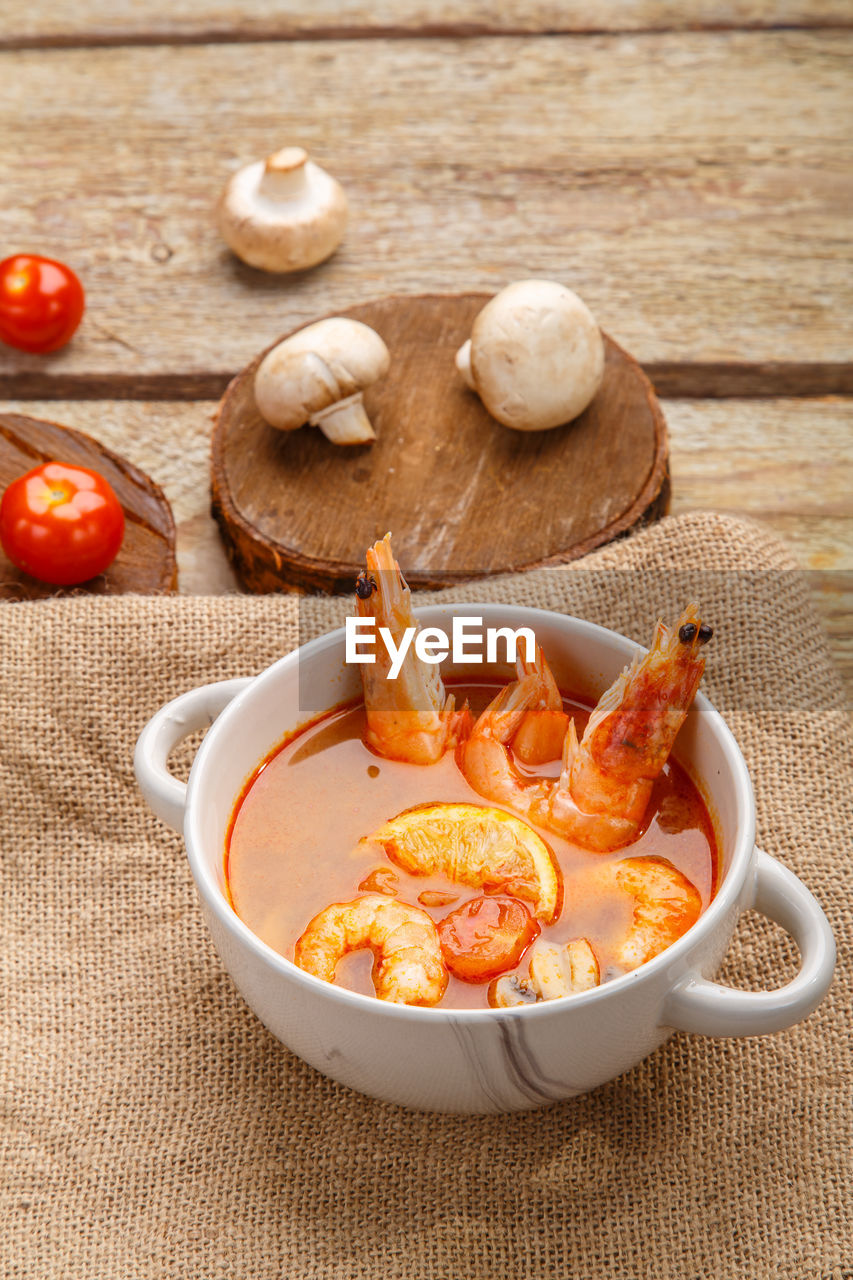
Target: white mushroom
318 375
282 214
561 970
555 970
535 355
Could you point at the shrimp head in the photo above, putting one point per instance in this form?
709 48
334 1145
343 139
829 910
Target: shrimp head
409 717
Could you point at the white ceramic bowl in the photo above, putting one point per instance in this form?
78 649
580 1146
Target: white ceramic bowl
481 1060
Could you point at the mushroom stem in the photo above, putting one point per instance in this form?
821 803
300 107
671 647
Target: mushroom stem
284 176
463 363
345 422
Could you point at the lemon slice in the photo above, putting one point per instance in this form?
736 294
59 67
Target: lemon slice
476 846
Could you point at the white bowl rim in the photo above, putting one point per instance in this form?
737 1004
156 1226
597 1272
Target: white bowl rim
724 901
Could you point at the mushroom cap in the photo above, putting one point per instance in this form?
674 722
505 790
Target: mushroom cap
316 367
536 355
282 214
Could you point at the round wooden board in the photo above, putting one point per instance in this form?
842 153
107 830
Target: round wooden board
463 496
146 564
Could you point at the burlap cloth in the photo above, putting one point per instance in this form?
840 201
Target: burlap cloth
153 1128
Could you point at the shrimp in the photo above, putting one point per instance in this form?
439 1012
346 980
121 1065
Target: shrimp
665 905
601 796
408 966
409 718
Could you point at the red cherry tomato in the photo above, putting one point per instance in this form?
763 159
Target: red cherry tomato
486 936
60 523
41 302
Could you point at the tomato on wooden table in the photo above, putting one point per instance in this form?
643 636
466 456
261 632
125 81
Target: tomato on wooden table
41 303
61 523
486 936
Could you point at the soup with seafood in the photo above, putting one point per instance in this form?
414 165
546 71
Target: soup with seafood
478 844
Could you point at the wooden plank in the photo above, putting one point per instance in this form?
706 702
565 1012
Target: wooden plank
171 442
66 22
789 466
812 514
694 189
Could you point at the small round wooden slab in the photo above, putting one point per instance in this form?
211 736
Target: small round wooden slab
463 496
146 564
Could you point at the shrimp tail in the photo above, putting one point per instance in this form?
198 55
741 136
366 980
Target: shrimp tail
459 723
571 747
504 714
539 737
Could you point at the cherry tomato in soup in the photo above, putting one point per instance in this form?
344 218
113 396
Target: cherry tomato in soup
41 303
486 936
60 523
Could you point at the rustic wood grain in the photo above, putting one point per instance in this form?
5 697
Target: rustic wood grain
777 441
65 22
171 442
146 562
464 496
694 189
789 466
786 463
729 379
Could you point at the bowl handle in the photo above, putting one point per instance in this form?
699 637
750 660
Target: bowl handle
197 709
695 1004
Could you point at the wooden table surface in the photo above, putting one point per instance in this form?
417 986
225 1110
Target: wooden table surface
687 168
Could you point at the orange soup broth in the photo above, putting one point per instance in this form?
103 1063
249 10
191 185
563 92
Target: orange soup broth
295 842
